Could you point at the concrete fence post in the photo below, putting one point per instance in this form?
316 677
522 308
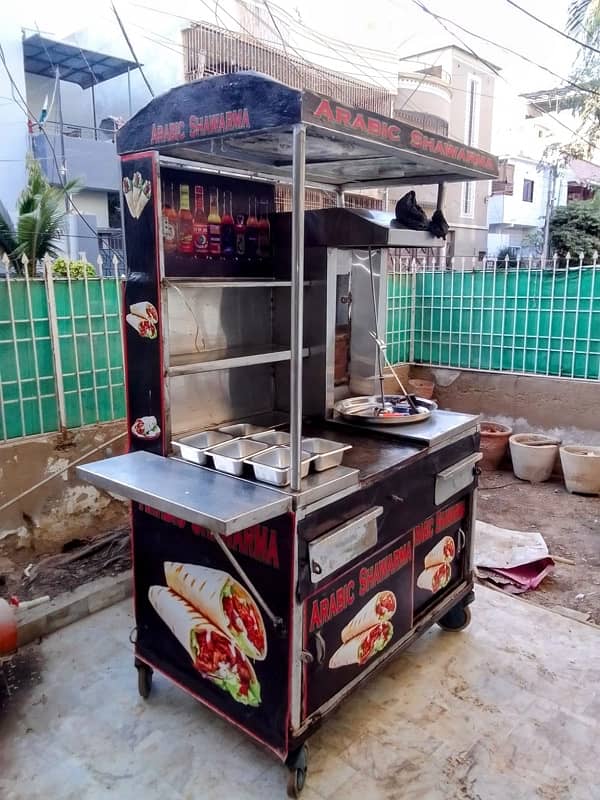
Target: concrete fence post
55 345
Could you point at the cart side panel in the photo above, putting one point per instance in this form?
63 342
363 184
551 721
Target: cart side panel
440 548
351 621
141 308
265 553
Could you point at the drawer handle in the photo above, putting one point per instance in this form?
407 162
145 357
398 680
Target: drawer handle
396 498
320 648
462 540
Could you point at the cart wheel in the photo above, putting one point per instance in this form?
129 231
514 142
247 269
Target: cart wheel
457 619
144 679
298 765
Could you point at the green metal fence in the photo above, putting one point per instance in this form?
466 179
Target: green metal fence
61 355
540 321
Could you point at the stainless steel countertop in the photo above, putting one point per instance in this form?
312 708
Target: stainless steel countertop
221 503
441 426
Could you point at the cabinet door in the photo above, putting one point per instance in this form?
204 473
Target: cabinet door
439 553
354 620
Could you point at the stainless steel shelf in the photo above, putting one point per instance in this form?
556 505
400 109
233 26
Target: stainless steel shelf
218 283
219 502
213 360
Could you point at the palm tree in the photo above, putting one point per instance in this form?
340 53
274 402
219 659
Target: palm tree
41 212
584 17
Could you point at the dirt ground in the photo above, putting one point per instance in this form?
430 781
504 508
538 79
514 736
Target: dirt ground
569 523
52 577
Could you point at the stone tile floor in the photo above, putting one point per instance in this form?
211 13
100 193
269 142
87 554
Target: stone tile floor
507 710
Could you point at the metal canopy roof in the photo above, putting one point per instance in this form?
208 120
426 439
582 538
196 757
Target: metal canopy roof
246 120
85 67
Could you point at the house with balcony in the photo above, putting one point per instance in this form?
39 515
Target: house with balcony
450 91
74 141
525 191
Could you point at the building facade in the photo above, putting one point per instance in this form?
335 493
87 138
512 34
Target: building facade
456 91
521 198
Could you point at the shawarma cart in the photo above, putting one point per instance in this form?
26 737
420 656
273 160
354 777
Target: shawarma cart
286 542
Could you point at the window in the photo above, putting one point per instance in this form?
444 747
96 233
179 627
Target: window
506 177
472 111
527 191
468 199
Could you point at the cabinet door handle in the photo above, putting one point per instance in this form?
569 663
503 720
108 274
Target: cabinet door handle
320 648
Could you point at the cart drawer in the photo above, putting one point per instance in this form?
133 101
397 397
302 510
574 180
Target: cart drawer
343 544
455 478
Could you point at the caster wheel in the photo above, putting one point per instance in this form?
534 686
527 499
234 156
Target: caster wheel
144 679
297 763
296 781
457 619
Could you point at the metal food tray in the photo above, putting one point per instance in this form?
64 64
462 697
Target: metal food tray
362 409
272 438
193 447
273 466
327 454
242 429
230 457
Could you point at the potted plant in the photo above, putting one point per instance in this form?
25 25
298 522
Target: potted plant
533 456
581 468
493 443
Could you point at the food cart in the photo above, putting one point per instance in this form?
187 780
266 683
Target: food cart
289 537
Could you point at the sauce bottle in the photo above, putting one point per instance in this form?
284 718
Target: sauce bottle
240 236
185 222
214 224
251 229
200 224
169 225
264 230
227 226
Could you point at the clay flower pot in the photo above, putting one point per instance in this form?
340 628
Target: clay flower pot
493 443
581 468
421 388
533 456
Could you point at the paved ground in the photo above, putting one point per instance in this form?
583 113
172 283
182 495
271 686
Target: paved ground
569 523
508 709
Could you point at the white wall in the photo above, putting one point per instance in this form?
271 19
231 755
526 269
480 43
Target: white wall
13 125
512 209
95 204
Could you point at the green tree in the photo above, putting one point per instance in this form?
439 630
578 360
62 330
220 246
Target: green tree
583 22
575 229
41 214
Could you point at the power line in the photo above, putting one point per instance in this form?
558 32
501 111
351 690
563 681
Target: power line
441 20
503 47
552 28
135 58
276 26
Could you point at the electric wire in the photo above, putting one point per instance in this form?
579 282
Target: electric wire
552 28
27 111
442 20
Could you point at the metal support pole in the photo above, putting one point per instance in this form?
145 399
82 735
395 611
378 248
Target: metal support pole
62 178
439 206
440 196
55 346
297 302
549 207
94 112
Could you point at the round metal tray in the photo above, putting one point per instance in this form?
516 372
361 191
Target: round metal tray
362 409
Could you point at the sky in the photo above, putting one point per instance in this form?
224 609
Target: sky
395 28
